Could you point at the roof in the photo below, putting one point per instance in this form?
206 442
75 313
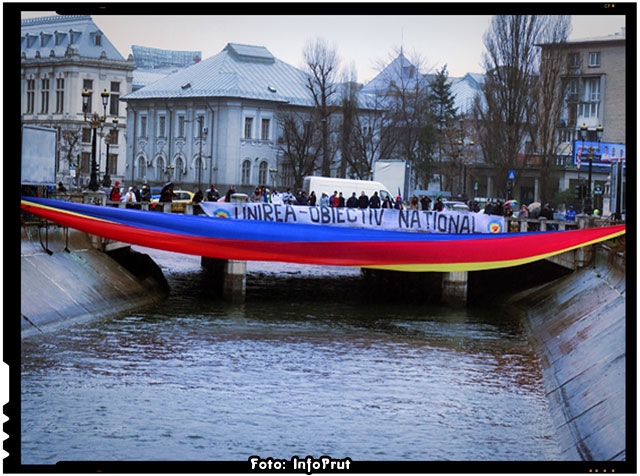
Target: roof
143 77
400 72
54 34
147 57
241 71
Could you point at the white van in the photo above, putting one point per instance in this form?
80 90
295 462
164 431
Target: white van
329 185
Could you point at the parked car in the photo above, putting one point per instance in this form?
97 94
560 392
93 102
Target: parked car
181 198
455 206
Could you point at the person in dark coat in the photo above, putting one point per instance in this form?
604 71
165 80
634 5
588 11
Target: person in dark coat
166 194
212 194
375 201
352 201
386 203
425 202
438 206
363 201
145 195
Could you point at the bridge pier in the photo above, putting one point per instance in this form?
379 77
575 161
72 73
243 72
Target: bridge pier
455 288
229 276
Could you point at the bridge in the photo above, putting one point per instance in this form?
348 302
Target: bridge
232 273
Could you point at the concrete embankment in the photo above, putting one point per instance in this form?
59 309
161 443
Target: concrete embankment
63 287
578 326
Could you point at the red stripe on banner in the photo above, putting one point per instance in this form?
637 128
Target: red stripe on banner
493 249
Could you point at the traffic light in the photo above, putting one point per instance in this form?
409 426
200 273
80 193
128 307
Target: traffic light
578 192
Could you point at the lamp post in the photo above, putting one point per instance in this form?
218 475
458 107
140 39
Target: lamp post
202 135
461 155
599 131
583 134
95 121
106 181
274 174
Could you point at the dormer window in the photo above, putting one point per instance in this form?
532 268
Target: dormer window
98 40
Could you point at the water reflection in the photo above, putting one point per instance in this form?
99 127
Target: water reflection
309 364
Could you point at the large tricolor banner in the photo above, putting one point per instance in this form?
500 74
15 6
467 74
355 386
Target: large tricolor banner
254 240
378 218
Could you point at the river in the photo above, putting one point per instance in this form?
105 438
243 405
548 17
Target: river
309 364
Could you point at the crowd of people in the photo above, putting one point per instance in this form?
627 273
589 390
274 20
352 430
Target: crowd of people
263 194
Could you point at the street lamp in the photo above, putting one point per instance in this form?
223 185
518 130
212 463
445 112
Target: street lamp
599 131
106 181
95 121
202 135
274 173
583 134
463 162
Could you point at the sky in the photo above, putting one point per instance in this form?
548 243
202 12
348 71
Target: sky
362 41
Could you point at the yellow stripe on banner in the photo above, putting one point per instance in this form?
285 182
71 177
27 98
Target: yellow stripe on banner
484 265
37 205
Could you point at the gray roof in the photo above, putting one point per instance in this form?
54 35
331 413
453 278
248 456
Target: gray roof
57 33
241 71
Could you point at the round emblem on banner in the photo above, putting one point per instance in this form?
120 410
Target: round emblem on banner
495 227
222 214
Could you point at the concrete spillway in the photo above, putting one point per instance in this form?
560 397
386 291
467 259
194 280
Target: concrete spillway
61 287
578 326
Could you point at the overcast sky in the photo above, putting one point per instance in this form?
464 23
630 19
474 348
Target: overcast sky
364 41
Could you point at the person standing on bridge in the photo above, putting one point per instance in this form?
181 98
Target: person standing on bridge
352 202
212 194
363 201
374 202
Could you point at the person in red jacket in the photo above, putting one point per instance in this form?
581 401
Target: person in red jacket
115 193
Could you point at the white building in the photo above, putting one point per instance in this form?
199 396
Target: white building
214 122
61 56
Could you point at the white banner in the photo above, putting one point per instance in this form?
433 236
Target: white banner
380 218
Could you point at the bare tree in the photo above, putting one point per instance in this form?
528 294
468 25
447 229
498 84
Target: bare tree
406 94
298 143
69 142
551 95
508 92
322 63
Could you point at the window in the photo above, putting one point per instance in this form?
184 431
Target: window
262 173
265 129
161 126
594 59
592 89
574 60
44 94
572 87
86 135
180 126
246 172
159 168
31 92
179 170
248 126
85 163
59 95
114 100
113 136
199 129
143 126
98 40
113 164
141 169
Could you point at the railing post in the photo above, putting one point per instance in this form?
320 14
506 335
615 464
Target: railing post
543 223
524 225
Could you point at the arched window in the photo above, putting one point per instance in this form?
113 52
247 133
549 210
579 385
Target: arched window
246 172
160 168
141 168
262 173
179 170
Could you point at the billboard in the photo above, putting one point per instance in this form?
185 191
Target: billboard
604 153
39 155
